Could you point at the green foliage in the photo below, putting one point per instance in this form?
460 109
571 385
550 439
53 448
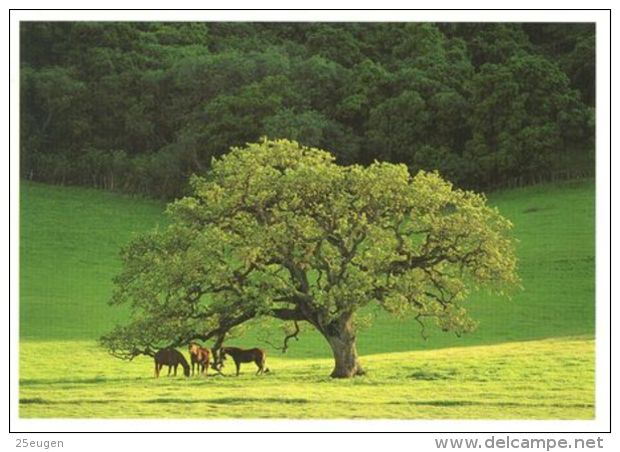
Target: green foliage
519 118
447 97
280 230
573 49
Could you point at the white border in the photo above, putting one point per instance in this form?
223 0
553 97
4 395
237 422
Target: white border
316 16
601 422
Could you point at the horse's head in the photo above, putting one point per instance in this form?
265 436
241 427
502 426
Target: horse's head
193 349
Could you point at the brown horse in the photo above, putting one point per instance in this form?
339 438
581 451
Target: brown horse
239 355
199 356
171 358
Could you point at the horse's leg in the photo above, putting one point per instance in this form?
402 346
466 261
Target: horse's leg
238 364
156 370
169 369
259 364
175 369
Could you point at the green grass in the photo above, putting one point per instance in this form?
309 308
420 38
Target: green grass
547 379
69 251
70 238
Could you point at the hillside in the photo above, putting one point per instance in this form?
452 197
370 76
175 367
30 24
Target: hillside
69 246
70 238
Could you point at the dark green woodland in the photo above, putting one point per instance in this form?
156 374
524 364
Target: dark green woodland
139 107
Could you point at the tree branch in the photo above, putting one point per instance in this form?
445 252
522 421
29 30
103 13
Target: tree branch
288 314
294 334
287 338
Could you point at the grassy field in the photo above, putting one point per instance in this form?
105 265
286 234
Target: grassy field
531 357
69 246
521 380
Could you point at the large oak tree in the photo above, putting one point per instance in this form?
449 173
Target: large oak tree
279 230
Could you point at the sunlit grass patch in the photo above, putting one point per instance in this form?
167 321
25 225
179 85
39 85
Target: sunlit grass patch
547 379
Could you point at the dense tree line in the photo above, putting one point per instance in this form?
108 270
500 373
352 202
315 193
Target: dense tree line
138 107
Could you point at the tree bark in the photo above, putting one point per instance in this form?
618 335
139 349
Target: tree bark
341 338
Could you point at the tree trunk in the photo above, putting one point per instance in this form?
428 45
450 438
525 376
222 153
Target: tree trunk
341 338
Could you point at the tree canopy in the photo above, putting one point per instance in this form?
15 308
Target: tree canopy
279 230
139 107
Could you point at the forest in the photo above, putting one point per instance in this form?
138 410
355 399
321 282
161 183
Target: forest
139 107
